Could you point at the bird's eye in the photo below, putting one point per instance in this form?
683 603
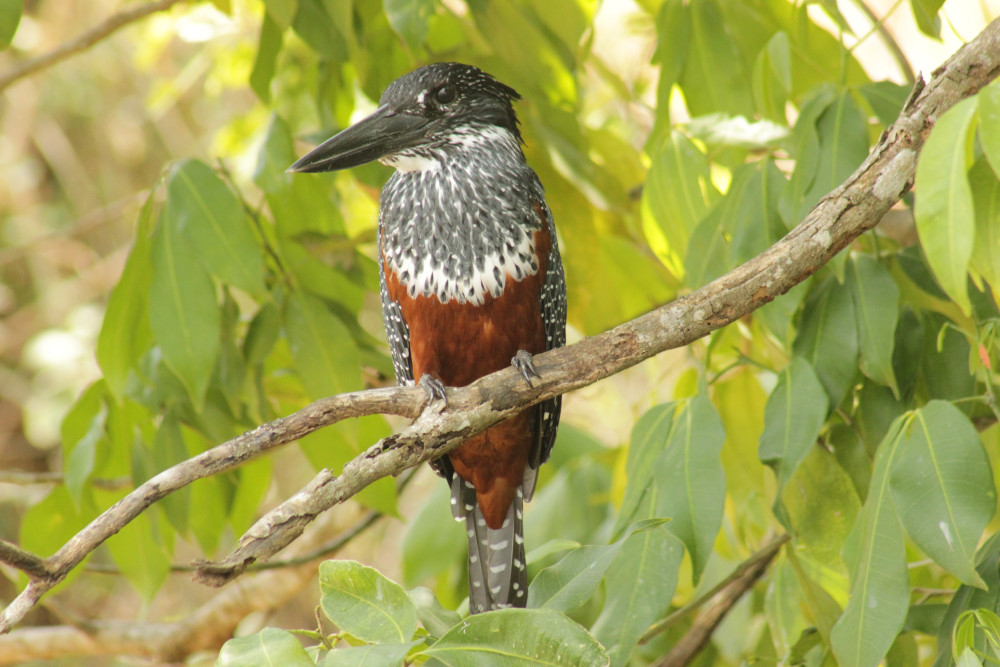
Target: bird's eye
446 94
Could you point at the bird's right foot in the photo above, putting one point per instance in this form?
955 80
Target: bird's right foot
434 388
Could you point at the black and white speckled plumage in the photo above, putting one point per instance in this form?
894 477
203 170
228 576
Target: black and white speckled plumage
462 224
458 215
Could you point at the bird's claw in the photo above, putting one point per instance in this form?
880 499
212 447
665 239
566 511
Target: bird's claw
524 362
434 388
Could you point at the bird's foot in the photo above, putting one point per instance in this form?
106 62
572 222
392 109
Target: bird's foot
435 390
523 362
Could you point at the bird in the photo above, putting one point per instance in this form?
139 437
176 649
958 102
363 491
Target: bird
471 282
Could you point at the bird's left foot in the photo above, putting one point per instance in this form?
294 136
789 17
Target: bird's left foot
523 362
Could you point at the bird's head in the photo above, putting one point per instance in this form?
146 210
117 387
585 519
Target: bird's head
419 115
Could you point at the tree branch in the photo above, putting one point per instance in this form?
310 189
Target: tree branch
841 216
204 629
83 41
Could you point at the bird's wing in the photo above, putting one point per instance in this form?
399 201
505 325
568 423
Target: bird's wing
398 334
553 309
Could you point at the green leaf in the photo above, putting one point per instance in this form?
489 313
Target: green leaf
926 14
10 17
82 431
691 483
676 197
565 505
886 99
783 609
649 436
409 19
716 77
880 589
517 638
125 333
828 338
989 117
986 200
942 485
842 130
184 313
433 540
266 60
806 149
139 556
944 207
282 12
876 310
968 598
52 521
432 616
374 655
363 603
968 658
568 584
640 585
794 414
772 77
326 357
268 648
210 216
168 448
252 481
822 505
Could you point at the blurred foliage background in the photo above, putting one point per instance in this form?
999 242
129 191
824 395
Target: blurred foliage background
142 187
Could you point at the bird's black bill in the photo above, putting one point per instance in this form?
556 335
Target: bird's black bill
382 133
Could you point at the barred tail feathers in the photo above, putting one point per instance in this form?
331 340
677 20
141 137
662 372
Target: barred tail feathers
498 575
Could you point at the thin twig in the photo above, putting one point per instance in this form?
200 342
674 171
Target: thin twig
24 478
83 42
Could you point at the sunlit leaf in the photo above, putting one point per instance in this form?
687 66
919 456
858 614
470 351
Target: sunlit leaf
676 197
282 12
364 603
944 207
